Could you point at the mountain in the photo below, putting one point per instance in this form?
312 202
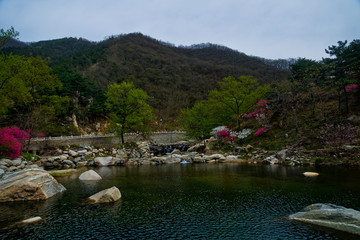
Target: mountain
174 77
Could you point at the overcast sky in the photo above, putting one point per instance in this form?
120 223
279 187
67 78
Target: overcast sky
265 28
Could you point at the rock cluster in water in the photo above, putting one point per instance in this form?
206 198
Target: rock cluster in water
145 153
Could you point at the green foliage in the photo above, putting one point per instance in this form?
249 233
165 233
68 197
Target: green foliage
223 146
128 108
30 157
197 121
6 35
28 92
234 98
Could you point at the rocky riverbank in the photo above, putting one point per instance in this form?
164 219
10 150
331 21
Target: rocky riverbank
146 153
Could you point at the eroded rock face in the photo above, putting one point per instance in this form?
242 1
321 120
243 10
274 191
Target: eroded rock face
28 184
331 216
106 196
90 175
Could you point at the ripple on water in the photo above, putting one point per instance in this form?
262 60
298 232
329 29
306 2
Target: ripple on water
177 202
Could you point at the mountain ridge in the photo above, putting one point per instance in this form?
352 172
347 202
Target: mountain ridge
174 77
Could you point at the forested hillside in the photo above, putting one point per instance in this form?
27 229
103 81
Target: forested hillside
136 83
173 77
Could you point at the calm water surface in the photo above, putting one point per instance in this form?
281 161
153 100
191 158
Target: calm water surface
202 201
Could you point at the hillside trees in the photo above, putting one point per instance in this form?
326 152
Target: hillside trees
6 35
128 108
234 98
197 121
28 91
344 68
224 106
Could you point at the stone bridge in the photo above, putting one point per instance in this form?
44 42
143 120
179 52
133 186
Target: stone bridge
37 145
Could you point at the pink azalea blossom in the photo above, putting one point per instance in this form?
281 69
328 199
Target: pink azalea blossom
262 102
260 131
351 87
11 141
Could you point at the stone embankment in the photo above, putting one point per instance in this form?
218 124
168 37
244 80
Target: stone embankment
145 153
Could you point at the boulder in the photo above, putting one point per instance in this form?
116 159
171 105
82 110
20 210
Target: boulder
197 148
31 220
310 174
104 161
17 162
69 162
199 159
215 157
231 158
73 153
81 164
64 157
6 162
28 184
90 175
2 172
282 154
106 196
331 216
80 152
270 160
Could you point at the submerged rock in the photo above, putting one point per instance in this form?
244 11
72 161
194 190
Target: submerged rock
331 216
106 196
310 174
90 175
28 184
31 220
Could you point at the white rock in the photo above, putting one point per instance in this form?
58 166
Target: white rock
90 175
6 162
1 172
72 153
310 174
105 161
231 158
215 157
82 152
271 160
112 194
64 157
31 220
176 155
17 162
282 154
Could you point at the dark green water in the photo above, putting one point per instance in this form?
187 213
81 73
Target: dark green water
203 201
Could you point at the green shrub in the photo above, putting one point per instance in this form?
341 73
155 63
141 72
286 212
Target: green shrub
30 157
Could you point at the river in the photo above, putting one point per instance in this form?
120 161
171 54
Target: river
190 201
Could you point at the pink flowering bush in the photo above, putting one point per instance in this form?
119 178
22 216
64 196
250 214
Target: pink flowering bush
224 135
351 87
255 112
11 141
262 102
260 131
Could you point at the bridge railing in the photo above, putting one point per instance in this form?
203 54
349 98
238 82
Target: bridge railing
98 136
